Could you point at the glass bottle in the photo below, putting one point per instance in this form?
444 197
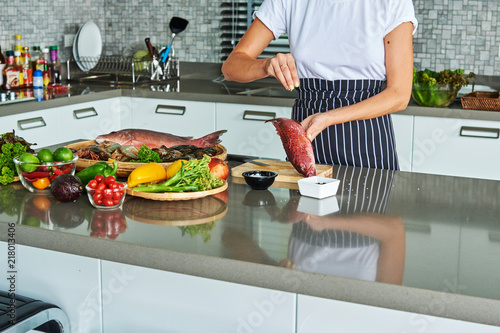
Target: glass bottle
45 67
3 62
10 73
18 62
18 45
55 66
35 55
27 71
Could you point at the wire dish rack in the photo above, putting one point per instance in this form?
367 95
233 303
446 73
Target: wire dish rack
137 69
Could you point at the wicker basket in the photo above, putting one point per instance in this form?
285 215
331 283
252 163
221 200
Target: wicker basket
481 100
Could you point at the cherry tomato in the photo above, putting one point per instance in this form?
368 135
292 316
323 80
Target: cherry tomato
113 186
99 178
41 183
117 195
97 196
93 184
108 193
101 186
98 202
120 184
109 180
107 202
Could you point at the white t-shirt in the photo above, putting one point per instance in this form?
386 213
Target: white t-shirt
337 39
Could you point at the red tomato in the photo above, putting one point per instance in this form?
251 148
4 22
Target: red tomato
108 193
120 184
117 195
101 186
99 178
97 196
107 202
109 179
116 201
93 184
98 203
113 186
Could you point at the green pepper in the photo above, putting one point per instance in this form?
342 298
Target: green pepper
100 168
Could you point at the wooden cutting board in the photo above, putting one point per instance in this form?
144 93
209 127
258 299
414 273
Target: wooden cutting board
286 171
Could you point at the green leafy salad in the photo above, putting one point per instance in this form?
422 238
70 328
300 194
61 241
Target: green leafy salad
440 89
11 146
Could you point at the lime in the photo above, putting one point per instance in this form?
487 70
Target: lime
63 154
45 155
27 159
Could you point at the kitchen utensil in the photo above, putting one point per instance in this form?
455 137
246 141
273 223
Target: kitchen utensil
89 45
177 25
286 171
243 158
150 47
318 187
156 69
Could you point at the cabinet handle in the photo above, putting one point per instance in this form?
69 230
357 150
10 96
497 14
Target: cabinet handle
171 109
26 124
480 132
85 113
258 115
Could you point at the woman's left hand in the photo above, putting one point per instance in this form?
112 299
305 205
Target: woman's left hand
315 124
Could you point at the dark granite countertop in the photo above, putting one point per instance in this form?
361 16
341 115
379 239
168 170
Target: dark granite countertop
433 241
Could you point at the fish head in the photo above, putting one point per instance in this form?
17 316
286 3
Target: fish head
115 136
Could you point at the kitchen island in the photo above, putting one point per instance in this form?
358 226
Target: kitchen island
405 251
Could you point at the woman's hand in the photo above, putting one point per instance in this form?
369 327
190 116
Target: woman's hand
282 67
315 124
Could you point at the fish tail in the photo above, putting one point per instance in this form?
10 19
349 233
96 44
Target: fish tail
209 139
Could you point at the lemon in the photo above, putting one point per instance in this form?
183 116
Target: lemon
174 167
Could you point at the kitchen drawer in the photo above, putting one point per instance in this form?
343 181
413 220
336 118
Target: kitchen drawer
88 120
40 127
247 134
456 147
183 118
135 298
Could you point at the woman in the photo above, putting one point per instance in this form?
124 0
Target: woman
343 53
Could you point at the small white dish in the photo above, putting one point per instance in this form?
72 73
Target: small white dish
318 207
318 187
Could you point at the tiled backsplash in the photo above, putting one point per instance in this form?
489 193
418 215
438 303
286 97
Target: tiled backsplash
452 34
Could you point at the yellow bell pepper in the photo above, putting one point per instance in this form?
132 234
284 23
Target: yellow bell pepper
146 173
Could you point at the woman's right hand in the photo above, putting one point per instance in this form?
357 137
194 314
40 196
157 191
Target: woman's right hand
282 67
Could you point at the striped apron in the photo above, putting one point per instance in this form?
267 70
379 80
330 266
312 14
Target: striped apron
366 143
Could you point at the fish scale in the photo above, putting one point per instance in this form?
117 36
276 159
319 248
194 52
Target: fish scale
298 147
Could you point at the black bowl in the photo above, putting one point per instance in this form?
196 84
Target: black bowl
259 180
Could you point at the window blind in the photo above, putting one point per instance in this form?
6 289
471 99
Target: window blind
236 17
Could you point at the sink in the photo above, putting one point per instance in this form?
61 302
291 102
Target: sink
270 92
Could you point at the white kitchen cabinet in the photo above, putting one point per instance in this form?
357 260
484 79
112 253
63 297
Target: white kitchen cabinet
247 132
139 299
403 132
71 282
88 120
182 118
40 127
456 147
317 315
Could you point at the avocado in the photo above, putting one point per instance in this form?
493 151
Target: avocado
66 188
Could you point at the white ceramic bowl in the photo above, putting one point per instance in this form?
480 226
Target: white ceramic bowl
318 187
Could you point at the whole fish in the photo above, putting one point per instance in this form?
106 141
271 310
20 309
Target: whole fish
153 139
297 146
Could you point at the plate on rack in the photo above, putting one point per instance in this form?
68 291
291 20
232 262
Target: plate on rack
88 46
174 196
